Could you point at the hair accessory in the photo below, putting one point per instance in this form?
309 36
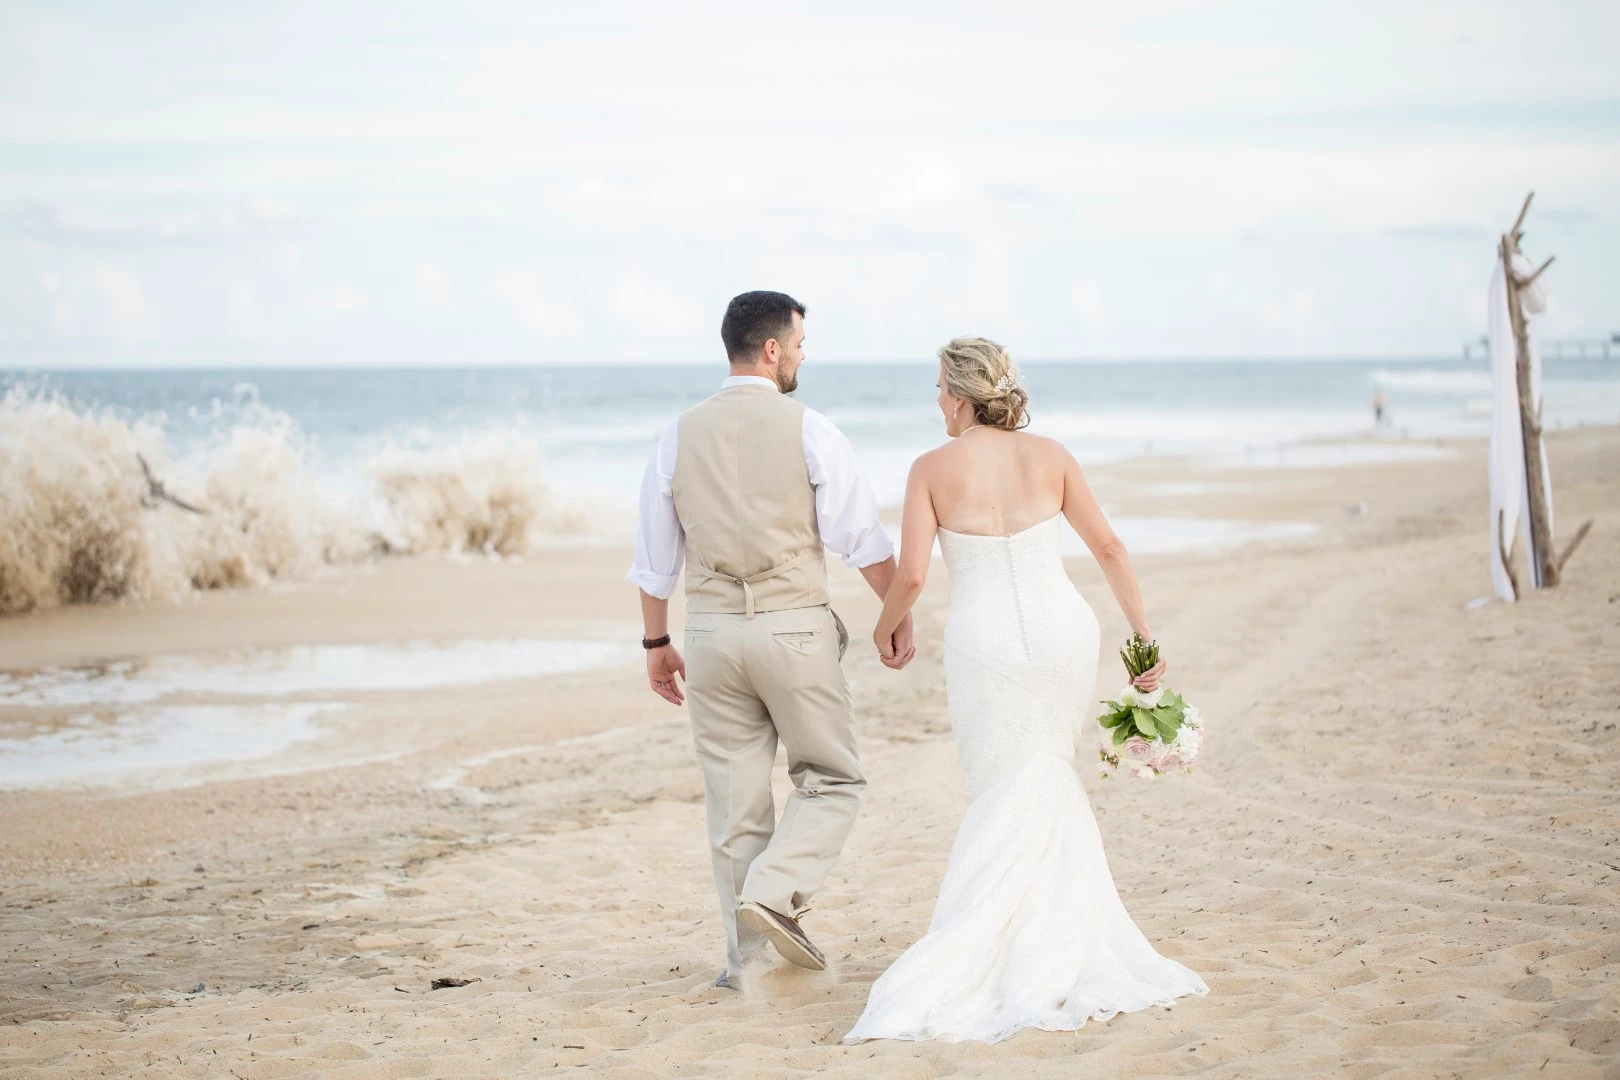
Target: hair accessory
1009 380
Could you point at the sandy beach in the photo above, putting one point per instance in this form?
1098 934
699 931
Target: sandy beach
1399 856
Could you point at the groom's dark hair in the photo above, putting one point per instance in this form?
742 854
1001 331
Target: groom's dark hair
752 319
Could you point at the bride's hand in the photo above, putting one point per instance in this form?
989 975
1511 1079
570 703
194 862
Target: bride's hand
885 646
1148 681
895 650
905 646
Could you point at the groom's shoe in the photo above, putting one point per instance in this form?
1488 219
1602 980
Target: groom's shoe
784 933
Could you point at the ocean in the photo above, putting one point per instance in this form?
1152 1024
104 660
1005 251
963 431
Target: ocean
301 469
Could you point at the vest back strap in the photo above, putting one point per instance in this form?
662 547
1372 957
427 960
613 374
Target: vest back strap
749 582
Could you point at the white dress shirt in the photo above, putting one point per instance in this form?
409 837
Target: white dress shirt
846 509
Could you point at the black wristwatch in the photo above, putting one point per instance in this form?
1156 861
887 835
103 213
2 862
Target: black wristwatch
655 643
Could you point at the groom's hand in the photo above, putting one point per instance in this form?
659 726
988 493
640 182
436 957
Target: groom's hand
663 665
897 649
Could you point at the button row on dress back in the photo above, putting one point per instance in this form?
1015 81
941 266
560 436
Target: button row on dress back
1018 599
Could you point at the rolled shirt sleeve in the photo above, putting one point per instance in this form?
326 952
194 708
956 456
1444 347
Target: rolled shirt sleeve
846 508
660 540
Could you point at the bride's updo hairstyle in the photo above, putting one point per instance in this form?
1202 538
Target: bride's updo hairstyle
980 372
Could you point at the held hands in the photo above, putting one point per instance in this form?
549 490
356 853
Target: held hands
896 650
663 664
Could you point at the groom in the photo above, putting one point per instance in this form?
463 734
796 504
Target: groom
749 487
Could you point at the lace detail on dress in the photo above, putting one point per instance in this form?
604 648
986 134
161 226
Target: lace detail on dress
1028 930
1020 651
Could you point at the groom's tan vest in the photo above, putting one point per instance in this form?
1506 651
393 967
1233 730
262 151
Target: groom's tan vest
743 495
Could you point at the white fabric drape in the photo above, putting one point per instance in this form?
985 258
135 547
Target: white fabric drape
1510 503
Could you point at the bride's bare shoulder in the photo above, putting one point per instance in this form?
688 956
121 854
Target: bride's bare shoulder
942 466
1047 447
929 461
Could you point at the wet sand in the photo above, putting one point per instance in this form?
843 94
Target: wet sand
1399 856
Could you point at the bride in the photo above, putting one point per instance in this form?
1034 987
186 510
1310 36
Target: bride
1028 930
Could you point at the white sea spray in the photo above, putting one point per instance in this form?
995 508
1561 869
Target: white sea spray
79 522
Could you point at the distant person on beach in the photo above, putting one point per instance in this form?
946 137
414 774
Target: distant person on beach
1380 407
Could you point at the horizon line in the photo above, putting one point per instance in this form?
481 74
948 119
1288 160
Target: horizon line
440 365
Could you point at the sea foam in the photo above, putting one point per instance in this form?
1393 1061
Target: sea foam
79 522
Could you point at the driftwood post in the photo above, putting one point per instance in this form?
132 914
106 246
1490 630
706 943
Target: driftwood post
156 492
1545 567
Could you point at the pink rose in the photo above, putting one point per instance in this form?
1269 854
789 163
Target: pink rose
1167 761
1137 750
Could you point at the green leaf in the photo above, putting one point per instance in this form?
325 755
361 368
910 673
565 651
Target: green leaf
1122 733
1144 722
1167 714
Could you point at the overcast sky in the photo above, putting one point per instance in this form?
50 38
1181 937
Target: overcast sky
219 184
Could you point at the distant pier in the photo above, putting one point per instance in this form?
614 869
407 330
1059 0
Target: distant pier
1556 348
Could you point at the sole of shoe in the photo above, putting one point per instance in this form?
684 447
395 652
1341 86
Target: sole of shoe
792 949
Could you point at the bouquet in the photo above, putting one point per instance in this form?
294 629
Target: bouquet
1147 735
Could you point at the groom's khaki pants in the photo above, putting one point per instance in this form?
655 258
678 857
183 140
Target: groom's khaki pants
750 682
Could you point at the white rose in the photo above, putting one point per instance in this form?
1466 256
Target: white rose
1190 717
1145 772
1188 742
1126 696
1148 701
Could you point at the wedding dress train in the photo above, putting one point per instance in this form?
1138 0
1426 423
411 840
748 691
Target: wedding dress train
1028 930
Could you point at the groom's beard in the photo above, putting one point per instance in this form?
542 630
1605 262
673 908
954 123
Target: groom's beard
787 383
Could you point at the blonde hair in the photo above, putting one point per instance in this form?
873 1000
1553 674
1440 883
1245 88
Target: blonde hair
980 372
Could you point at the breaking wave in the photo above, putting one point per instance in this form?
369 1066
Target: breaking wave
1435 380
98 507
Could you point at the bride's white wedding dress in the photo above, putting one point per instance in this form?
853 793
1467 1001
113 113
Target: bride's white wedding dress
1028 930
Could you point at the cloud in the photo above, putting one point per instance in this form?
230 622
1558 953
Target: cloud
1271 310
346 298
1086 296
654 309
1012 191
534 305
1566 216
267 208
242 312
1446 233
432 285
92 226
105 303
456 169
